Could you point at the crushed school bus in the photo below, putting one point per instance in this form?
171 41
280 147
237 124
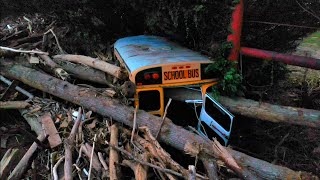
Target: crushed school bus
154 63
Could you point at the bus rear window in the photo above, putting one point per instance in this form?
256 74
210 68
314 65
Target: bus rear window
149 100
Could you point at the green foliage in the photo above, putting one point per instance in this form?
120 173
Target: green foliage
230 78
235 2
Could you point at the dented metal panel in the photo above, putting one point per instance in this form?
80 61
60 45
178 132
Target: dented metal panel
143 51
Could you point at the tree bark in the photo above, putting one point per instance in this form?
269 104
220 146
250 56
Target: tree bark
140 172
211 168
113 155
14 104
84 73
87 150
69 146
170 134
92 62
23 164
9 159
49 128
256 110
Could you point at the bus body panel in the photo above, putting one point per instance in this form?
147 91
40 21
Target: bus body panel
140 52
154 63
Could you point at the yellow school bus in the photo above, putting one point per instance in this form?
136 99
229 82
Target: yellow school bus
154 63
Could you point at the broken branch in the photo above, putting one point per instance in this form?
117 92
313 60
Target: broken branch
55 167
145 163
69 145
14 105
23 51
113 155
23 164
170 133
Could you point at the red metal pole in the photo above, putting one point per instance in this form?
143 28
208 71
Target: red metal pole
302 61
236 27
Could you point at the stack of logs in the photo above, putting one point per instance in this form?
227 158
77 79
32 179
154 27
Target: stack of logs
105 145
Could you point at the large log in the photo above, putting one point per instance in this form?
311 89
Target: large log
92 62
170 134
84 72
256 110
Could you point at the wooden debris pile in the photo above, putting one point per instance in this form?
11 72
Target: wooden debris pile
79 109
102 148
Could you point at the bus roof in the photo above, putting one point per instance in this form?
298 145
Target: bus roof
138 52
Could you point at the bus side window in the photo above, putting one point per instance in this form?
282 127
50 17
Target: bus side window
215 120
217 114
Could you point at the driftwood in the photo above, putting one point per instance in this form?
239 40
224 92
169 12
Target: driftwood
84 72
50 130
113 155
29 39
54 66
22 51
69 145
93 154
140 171
150 144
8 160
211 167
257 110
153 145
130 156
95 63
103 162
171 134
43 125
14 104
23 164
55 167
87 150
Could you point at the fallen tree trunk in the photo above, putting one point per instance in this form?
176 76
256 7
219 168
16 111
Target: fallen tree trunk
83 72
95 63
170 133
257 110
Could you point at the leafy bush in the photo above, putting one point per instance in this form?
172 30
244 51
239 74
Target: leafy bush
230 78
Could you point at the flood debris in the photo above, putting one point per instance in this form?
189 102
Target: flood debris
89 131
14 105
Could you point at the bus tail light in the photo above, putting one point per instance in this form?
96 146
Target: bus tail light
147 76
155 76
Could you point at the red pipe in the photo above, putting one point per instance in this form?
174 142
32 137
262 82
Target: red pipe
302 61
236 27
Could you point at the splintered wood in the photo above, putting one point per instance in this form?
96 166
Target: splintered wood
51 131
80 110
159 160
92 62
